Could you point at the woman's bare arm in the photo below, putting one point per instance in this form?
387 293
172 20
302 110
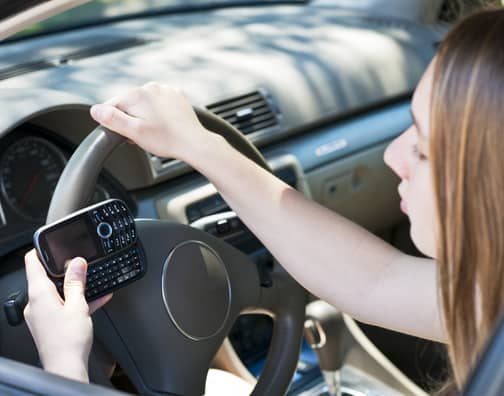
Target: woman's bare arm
332 257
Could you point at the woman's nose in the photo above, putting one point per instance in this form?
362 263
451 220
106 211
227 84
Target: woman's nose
396 154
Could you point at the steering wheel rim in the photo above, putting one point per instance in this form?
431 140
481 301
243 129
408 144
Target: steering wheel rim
242 277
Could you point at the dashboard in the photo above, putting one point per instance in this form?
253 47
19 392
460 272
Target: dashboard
320 90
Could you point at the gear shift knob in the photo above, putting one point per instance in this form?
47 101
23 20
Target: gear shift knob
325 332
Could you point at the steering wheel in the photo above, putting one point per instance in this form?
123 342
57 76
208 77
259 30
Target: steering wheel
165 329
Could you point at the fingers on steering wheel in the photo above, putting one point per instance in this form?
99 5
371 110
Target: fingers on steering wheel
127 100
116 120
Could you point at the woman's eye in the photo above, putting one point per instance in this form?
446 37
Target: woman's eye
417 153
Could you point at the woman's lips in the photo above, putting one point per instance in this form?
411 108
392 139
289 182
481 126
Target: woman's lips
404 207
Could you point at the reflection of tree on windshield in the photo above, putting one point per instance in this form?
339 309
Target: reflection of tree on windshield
103 9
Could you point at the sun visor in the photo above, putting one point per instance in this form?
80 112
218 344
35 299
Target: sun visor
17 15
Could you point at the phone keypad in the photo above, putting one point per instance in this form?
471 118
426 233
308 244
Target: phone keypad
111 273
122 260
118 217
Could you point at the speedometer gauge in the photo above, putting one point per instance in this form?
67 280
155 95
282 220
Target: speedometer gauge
29 171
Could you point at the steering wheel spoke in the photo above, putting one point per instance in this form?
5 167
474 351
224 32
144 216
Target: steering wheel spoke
165 329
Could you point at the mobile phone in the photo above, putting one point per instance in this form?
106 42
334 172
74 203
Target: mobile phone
105 235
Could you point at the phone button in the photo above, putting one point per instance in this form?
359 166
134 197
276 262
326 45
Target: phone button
104 230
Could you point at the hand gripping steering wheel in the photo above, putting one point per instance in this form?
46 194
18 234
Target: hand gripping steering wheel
165 329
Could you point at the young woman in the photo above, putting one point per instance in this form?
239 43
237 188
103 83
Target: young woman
451 167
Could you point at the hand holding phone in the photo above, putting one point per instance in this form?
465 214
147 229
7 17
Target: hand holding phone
105 235
61 327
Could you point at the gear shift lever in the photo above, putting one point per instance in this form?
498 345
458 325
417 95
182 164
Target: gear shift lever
325 332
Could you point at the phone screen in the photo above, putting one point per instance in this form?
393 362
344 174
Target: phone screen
70 240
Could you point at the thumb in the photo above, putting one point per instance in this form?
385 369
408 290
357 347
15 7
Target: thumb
75 280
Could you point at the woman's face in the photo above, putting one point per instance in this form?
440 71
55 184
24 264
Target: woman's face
408 156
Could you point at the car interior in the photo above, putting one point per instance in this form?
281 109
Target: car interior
314 91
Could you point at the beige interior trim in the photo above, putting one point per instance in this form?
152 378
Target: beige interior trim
380 358
35 14
228 360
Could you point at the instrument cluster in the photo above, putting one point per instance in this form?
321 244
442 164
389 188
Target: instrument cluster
31 162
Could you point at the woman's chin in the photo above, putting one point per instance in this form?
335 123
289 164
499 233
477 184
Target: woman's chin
424 242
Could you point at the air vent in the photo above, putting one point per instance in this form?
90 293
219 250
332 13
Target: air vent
64 58
248 113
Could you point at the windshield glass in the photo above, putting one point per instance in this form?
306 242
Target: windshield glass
99 11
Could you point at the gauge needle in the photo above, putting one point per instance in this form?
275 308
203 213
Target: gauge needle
29 189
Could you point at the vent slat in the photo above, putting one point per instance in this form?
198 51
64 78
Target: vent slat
230 106
257 107
260 114
264 110
257 127
254 120
236 99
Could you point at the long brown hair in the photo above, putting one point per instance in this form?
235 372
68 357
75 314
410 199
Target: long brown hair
467 151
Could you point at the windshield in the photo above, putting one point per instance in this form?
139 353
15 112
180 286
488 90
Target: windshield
99 11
